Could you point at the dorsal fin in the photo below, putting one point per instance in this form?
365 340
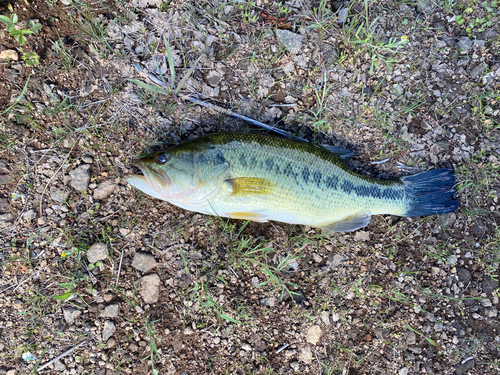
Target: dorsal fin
342 153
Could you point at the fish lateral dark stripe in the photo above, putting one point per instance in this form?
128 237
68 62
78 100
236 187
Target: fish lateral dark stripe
305 174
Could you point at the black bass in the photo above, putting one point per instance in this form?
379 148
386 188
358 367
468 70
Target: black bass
260 178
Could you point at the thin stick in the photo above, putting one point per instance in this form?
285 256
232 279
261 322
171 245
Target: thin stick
58 169
120 266
196 100
69 351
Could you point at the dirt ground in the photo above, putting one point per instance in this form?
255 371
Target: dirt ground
98 278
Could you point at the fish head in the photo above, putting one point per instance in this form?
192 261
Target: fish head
167 175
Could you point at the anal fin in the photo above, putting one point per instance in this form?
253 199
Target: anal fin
350 223
252 216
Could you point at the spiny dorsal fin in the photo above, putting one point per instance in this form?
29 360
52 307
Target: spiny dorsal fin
350 223
342 153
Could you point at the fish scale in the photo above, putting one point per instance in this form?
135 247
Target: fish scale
261 178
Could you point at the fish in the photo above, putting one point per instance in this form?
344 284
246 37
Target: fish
265 178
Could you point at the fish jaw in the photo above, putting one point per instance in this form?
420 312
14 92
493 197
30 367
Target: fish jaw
141 183
158 180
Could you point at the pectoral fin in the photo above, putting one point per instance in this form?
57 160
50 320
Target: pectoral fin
249 186
350 223
252 216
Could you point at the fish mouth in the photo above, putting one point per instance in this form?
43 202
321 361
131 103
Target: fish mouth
158 180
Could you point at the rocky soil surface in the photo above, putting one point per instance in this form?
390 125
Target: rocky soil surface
97 278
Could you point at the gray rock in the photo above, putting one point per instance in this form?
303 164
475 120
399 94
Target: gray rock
295 366
108 330
58 195
29 215
246 347
70 314
465 366
150 288
448 219
491 311
477 70
362 236
268 302
305 355
4 203
104 189
97 252
479 229
489 34
5 178
111 311
313 335
80 177
411 338
10 75
291 41
465 44
144 262
87 159
464 275
335 260
489 285
59 366
425 6
6 218
213 78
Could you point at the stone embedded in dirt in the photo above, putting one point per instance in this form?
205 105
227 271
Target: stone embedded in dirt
464 275
97 252
213 78
71 313
362 236
4 203
305 355
9 54
144 262
465 44
108 330
5 178
268 302
111 311
448 219
104 189
335 316
489 284
80 177
295 366
313 335
149 288
58 195
478 70
334 260
87 159
29 215
59 366
411 338
491 311
291 41
246 346
110 343
325 317
6 218
425 6
466 366
10 75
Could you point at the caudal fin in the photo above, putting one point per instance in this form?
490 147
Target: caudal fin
431 193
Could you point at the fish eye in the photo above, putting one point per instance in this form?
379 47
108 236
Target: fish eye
161 158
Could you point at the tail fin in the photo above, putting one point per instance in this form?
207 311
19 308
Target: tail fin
431 193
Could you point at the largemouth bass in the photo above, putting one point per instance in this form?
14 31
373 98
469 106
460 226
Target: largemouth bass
261 178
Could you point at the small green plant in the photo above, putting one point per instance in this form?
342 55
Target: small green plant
11 22
478 24
31 58
19 34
